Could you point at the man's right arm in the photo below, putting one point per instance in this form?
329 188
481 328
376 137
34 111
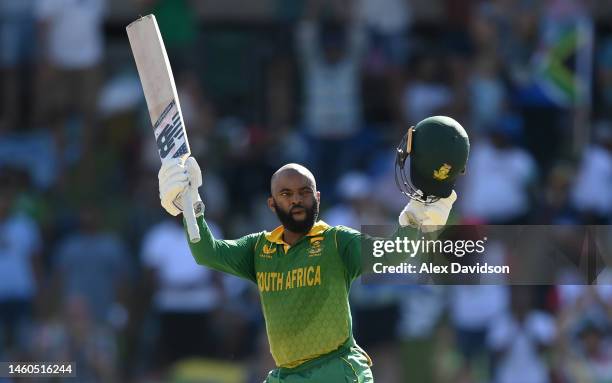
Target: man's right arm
235 257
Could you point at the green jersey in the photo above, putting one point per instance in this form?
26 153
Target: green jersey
304 288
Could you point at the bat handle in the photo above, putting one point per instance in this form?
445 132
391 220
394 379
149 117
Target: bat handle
192 225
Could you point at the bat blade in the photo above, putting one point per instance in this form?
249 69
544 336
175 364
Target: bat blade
162 100
158 86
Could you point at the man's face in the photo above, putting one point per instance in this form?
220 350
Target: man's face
295 201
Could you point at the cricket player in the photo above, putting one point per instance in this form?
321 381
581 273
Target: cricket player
304 268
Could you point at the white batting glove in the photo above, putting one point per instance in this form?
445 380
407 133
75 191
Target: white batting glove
176 178
430 217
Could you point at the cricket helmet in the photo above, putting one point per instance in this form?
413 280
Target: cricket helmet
437 150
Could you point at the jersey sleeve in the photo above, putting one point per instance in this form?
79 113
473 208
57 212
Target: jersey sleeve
234 257
353 244
349 244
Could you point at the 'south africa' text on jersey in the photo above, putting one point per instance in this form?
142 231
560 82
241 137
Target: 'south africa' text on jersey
296 278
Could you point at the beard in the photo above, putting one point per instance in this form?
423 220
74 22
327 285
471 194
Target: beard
303 226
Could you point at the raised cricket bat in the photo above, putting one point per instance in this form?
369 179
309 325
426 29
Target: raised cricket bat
162 101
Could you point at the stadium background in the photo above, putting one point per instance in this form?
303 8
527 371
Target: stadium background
91 269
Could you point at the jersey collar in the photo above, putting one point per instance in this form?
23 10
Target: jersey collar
276 236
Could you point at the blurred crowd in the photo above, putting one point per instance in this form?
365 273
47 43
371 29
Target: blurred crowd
92 271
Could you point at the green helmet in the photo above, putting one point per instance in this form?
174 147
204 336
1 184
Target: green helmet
438 149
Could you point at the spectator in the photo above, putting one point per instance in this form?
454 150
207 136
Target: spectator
26 151
425 94
34 152
518 339
384 187
547 103
582 308
500 175
76 336
93 263
509 31
72 46
421 308
472 309
579 301
604 74
184 296
330 54
555 203
16 51
20 250
356 207
588 353
593 186
388 24
372 304
487 93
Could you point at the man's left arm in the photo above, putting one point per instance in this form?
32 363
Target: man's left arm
357 249
416 221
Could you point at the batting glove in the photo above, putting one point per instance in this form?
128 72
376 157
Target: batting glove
176 178
427 217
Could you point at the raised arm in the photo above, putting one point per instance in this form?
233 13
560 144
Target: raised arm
416 221
233 257
230 256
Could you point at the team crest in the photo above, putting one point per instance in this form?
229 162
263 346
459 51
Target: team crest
442 173
315 247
